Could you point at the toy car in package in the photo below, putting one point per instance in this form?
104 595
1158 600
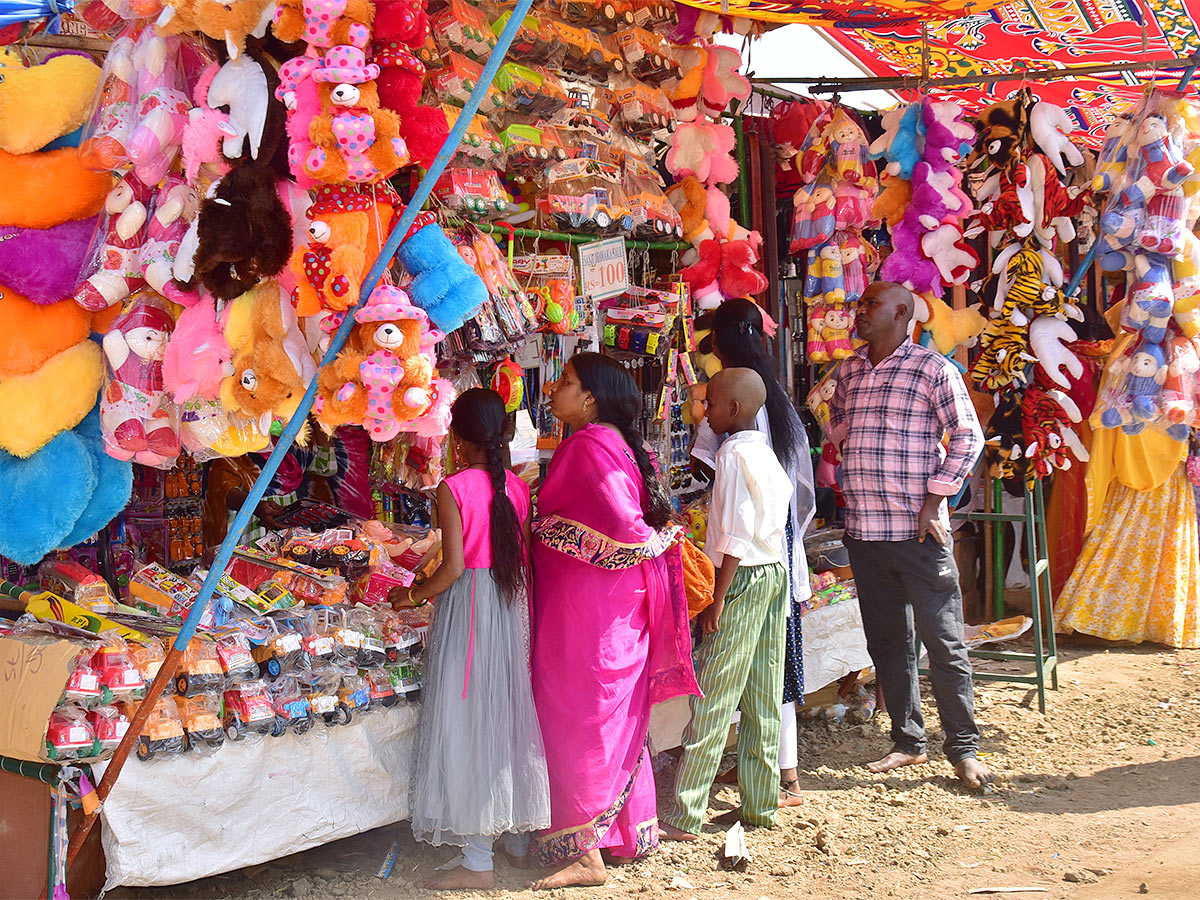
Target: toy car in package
320 688
162 732
315 587
247 710
463 28
283 649
536 42
644 109
292 709
587 53
458 78
530 93
109 724
77 584
162 592
235 656
70 735
650 59
199 668
605 13
474 192
201 719
584 195
653 214
119 678
479 145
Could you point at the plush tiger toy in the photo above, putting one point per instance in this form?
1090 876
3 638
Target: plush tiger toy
1028 295
1004 357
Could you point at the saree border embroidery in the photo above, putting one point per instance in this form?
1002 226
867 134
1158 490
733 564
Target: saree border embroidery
587 545
572 843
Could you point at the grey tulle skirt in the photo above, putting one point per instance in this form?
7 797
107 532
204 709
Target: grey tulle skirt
480 766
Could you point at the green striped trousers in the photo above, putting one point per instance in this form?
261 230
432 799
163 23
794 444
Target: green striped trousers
742 662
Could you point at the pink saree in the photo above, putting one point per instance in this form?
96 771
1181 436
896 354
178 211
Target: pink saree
610 639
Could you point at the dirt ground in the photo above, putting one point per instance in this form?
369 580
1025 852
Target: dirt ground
1098 799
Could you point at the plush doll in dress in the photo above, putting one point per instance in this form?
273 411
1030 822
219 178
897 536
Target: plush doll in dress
354 139
134 412
118 260
175 206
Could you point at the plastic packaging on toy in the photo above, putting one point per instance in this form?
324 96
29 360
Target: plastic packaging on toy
162 733
70 735
247 710
200 668
292 709
200 715
109 724
119 678
253 568
79 585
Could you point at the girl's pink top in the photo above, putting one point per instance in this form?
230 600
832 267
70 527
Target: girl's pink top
472 490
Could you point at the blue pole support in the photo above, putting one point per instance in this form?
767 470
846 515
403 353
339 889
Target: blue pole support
424 189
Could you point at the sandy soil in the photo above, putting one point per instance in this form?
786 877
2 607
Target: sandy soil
1098 799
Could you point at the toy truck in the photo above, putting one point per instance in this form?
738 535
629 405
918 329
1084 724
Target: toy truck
201 718
473 192
535 43
248 710
109 725
292 709
70 736
648 56
119 677
199 668
601 13
162 731
587 53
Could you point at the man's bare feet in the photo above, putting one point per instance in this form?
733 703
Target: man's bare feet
461 879
897 759
587 871
974 774
671 833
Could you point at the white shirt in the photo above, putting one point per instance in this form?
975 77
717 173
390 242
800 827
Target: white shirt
800 473
751 497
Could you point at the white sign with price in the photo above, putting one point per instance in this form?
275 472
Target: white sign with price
604 268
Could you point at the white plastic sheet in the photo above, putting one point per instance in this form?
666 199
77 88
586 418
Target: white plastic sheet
834 644
174 820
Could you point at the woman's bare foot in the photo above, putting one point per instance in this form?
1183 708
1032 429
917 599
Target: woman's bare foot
671 833
973 774
461 879
897 759
788 797
587 871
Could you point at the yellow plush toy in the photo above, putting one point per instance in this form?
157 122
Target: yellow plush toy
40 104
36 407
949 328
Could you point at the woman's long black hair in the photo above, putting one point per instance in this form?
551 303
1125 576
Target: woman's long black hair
619 403
737 331
478 417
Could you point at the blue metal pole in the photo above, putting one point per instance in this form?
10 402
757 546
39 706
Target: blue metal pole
424 189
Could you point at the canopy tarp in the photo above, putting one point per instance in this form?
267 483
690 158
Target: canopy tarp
845 13
1039 34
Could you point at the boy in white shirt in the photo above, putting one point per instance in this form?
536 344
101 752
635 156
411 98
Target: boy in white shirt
740 658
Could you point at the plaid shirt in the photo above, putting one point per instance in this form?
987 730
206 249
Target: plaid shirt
889 421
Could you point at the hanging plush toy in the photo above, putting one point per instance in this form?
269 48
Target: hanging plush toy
354 138
118 259
345 232
175 206
443 285
134 412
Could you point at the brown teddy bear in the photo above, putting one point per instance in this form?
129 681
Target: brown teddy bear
384 377
353 138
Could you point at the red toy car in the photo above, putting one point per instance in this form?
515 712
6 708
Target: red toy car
233 652
109 725
119 677
248 710
84 684
69 736
379 686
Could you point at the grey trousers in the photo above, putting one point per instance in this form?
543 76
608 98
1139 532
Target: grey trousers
899 582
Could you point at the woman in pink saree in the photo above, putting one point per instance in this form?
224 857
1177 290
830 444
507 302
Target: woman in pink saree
610 627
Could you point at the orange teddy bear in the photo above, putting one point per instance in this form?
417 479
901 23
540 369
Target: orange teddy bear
324 23
347 227
353 138
384 377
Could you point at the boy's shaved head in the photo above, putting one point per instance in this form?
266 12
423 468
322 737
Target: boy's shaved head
741 386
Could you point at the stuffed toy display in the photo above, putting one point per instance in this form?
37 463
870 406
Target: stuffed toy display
1146 169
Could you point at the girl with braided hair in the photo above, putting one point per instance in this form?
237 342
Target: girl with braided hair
480 770
611 633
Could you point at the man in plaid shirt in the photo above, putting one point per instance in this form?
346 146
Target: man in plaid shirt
895 404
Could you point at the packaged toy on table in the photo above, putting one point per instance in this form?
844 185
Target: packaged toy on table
320 688
248 710
109 725
162 732
70 735
233 652
399 639
354 695
231 590
335 548
119 678
83 684
379 686
253 567
77 584
200 716
148 658
199 668
292 709
405 675
283 649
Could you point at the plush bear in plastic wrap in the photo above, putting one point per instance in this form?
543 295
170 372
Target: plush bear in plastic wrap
133 407
354 138
175 206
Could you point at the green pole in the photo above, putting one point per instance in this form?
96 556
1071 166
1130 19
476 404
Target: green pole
998 607
743 181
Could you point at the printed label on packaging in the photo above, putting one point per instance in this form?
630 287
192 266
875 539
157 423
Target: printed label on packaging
289 643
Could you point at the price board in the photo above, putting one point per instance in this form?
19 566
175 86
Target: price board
604 268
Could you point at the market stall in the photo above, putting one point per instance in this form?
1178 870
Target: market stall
249 261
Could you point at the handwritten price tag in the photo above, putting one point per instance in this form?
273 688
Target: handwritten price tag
604 268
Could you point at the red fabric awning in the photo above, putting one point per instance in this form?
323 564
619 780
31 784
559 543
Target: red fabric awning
1038 34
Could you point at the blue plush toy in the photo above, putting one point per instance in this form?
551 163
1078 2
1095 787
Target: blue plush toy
902 140
61 495
443 285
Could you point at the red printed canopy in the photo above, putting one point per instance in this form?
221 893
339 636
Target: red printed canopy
1038 34
846 13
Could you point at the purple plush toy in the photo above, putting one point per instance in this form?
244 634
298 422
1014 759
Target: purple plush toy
45 264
